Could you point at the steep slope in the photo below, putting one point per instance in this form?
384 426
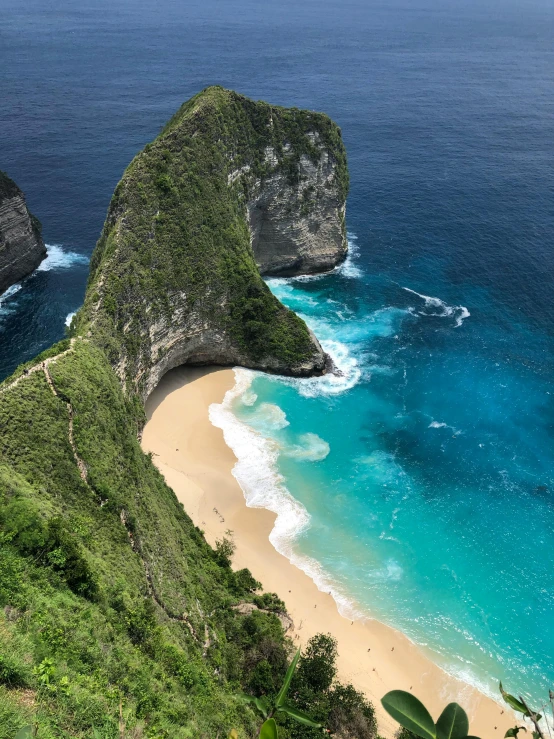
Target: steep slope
21 246
230 185
108 591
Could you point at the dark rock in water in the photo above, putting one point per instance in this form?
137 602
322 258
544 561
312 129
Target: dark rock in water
21 245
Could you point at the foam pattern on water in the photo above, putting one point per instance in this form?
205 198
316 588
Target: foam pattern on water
59 257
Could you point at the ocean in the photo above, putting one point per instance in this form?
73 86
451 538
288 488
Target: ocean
418 485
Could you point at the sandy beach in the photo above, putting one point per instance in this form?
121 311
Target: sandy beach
197 464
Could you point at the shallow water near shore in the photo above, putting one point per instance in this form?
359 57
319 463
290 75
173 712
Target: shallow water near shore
418 484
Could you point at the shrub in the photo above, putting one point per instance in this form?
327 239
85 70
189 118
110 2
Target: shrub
270 602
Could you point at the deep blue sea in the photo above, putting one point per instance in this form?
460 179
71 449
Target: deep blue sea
419 485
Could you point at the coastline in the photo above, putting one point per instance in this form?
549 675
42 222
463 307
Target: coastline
192 455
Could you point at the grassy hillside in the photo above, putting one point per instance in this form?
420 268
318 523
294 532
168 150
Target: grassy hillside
111 597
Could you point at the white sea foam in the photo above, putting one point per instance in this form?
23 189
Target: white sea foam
349 268
57 258
269 416
9 293
347 376
69 318
442 310
464 313
264 487
255 469
442 425
7 303
348 370
60 258
249 397
310 447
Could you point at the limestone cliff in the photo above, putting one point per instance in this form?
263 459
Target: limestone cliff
21 246
297 223
229 189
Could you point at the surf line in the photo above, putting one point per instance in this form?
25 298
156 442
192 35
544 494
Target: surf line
446 311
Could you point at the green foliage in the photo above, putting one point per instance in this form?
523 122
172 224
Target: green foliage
269 730
267 708
351 713
108 590
453 723
244 583
270 602
224 550
416 720
317 669
315 690
309 699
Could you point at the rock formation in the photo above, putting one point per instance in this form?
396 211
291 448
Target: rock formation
21 246
297 226
229 189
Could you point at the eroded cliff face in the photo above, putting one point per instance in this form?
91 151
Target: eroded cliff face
297 226
21 246
230 189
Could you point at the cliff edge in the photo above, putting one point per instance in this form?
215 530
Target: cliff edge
21 245
230 189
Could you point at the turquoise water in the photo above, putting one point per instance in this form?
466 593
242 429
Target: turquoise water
413 485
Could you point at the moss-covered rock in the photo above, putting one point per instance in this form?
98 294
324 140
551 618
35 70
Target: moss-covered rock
229 187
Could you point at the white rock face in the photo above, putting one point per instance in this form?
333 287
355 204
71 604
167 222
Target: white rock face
190 337
297 227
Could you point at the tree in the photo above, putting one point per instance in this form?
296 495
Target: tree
267 709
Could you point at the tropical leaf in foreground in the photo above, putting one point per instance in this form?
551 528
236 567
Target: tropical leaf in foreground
453 723
410 713
282 695
269 729
299 716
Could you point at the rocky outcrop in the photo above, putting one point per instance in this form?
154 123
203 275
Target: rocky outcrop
21 246
230 189
298 227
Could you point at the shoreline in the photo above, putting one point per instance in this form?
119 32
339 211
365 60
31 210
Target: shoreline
196 462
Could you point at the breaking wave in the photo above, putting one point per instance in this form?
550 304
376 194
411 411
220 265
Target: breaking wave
263 485
437 307
60 258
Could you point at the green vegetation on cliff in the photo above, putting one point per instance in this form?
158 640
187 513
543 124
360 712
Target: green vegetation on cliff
177 240
110 595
